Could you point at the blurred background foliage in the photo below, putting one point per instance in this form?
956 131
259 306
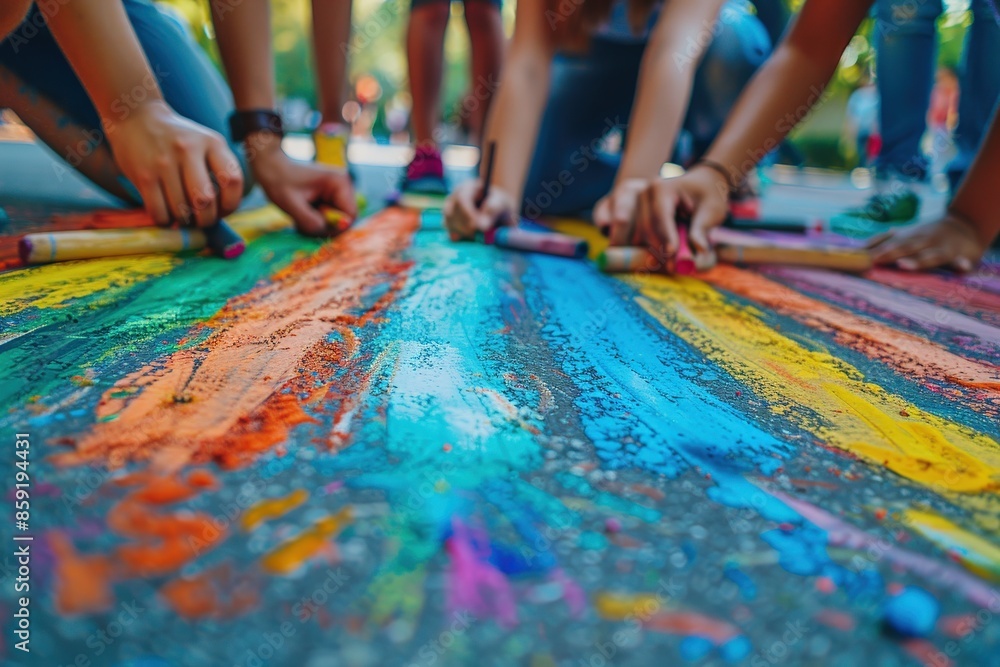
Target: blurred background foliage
378 53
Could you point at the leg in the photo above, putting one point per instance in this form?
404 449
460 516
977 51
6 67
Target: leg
906 39
589 96
979 89
425 55
740 46
487 39
331 38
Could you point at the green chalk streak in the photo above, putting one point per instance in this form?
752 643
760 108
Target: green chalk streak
161 309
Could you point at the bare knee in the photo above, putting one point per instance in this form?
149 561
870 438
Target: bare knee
482 17
12 12
431 16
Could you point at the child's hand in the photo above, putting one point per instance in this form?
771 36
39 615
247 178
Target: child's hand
171 161
702 193
300 188
615 213
950 241
464 219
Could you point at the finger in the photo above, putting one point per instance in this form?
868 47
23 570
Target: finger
928 258
466 213
200 191
155 204
493 212
455 220
308 220
644 216
623 209
704 219
896 248
620 231
228 176
602 215
339 192
173 192
877 240
964 264
665 215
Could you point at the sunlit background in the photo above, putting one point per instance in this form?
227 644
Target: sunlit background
380 102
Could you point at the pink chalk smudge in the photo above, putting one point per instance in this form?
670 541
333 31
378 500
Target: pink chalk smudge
842 534
470 575
575 598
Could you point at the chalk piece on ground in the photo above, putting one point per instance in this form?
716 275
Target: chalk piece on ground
912 613
224 241
43 248
549 243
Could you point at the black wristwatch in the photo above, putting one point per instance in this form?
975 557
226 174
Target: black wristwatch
244 123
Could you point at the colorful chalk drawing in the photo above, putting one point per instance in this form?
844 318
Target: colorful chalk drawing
391 449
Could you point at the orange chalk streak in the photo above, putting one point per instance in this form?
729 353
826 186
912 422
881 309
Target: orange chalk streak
82 583
234 396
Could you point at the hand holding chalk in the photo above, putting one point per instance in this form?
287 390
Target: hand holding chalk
698 195
614 214
464 220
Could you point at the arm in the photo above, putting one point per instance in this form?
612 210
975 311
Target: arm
11 15
960 238
666 79
243 31
166 157
513 123
777 98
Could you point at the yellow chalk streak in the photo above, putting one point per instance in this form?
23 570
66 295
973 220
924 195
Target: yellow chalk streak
291 554
617 607
272 508
975 553
822 394
52 285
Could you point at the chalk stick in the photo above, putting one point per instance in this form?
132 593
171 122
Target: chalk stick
684 259
633 260
745 208
42 248
840 259
777 224
336 220
549 243
223 240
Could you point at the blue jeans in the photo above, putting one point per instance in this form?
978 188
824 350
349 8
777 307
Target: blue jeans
592 94
191 84
906 38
